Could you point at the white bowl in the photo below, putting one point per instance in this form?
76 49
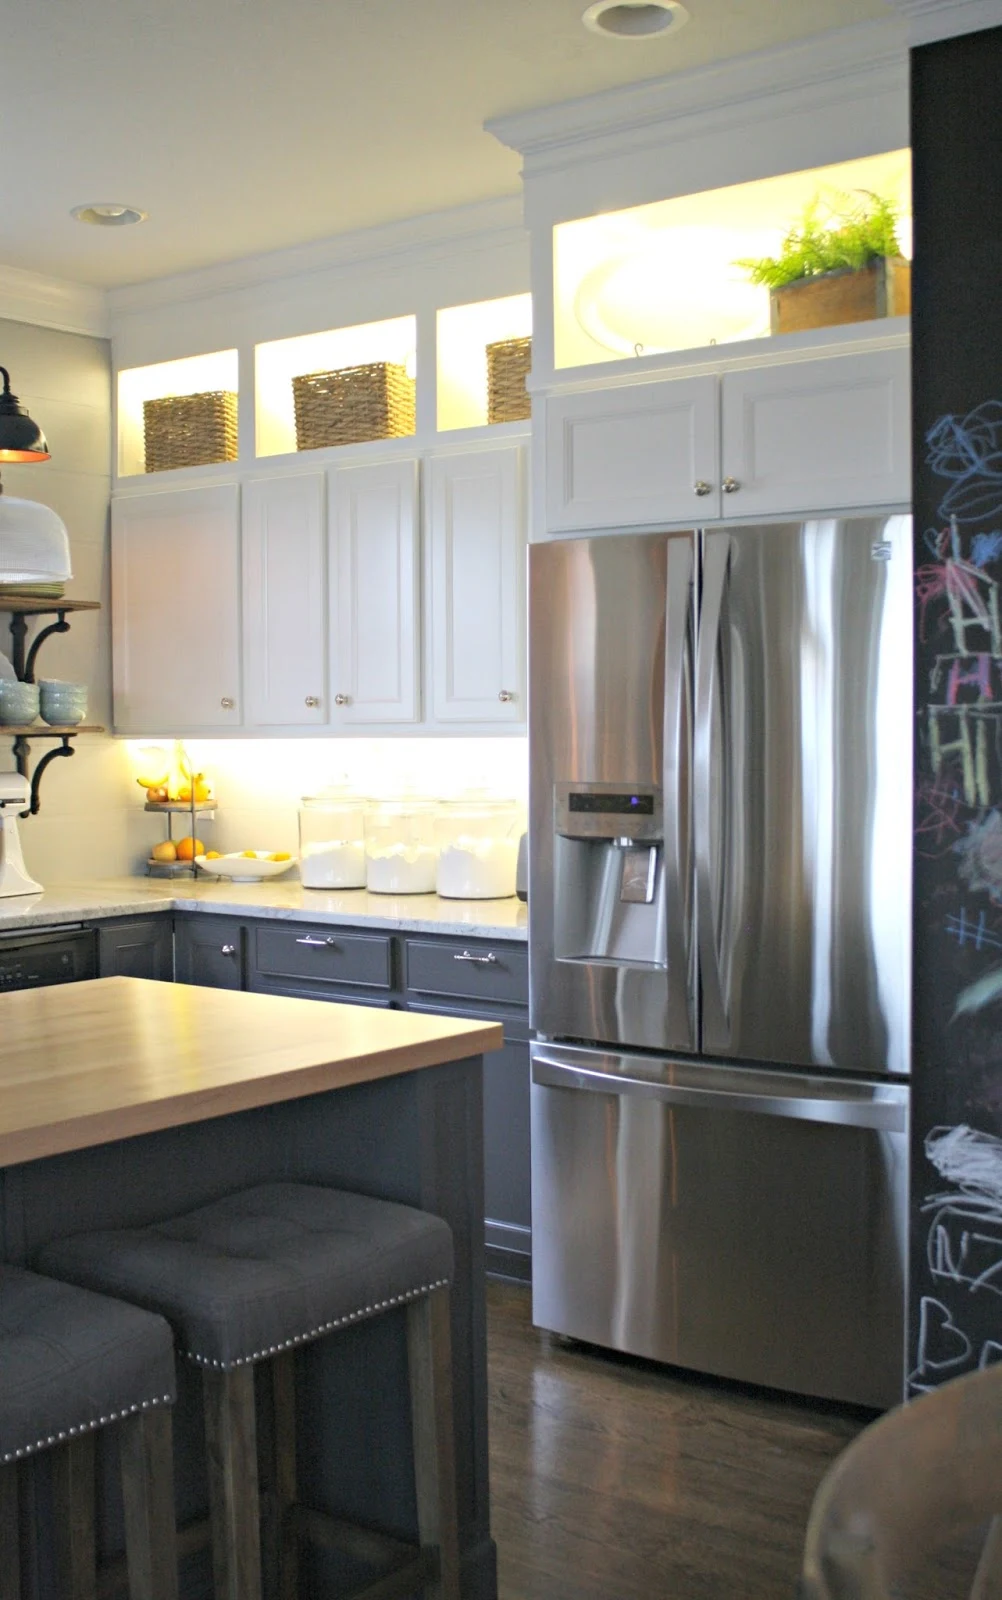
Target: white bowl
247 869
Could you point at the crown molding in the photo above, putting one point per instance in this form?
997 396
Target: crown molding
483 225
931 20
845 65
52 302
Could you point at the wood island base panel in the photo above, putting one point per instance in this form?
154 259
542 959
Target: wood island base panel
123 1101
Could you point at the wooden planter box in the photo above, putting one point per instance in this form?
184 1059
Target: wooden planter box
883 289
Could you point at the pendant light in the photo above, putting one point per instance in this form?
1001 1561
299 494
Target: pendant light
34 544
20 438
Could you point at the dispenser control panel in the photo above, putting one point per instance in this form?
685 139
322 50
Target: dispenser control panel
608 811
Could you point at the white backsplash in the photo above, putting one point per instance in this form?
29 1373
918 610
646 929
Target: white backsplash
259 782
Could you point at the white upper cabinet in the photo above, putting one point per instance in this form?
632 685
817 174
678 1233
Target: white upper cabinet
641 453
374 594
476 526
284 601
176 610
786 438
818 435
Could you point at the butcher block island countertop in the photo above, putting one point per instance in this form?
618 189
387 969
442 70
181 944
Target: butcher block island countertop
86 1063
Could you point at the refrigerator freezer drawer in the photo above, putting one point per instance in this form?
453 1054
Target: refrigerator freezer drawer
732 1227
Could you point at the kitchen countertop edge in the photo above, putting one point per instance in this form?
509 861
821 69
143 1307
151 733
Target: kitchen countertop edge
124 897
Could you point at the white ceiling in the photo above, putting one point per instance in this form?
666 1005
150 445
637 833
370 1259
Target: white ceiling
247 125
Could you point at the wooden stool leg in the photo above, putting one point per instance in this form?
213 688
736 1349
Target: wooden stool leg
283 1382
73 1485
10 1541
231 1447
429 1356
147 1465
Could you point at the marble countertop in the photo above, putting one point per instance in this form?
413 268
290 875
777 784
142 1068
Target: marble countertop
289 902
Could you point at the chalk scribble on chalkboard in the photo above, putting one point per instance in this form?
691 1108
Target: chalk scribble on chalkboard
968 451
972 930
963 1248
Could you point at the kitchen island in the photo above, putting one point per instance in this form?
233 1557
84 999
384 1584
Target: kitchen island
123 1100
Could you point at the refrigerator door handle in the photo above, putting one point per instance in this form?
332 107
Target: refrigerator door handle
716 1020
888 1114
676 797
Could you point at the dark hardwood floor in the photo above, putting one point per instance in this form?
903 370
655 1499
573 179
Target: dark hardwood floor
614 1479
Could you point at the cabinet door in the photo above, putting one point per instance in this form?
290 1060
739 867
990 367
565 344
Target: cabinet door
642 454
209 951
817 435
477 536
175 578
137 947
374 594
285 647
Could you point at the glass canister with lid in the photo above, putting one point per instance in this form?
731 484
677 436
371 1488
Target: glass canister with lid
401 852
332 839
478 847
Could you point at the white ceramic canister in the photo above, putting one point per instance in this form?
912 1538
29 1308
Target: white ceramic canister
478 847
332 839
401 854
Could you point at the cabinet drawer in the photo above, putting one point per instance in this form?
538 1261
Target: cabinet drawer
321 955
470 970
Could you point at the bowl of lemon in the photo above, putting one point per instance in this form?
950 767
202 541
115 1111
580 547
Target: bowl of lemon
246 866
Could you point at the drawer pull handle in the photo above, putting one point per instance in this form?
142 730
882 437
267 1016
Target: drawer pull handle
481 961
317 944
227 949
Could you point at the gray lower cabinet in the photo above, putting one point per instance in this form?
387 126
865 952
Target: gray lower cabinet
210 951
478 978
136 947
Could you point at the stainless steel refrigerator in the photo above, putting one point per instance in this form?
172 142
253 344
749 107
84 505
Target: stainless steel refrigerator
719 928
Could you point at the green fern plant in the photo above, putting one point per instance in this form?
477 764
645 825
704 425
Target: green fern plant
835 240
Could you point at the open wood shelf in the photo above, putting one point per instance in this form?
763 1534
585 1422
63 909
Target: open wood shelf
48 730
26 607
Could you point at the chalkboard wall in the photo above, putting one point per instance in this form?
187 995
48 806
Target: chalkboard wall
955 1322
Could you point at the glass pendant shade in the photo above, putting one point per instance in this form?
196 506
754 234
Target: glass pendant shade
20 438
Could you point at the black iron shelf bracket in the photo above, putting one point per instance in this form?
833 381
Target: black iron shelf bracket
22 750
23 661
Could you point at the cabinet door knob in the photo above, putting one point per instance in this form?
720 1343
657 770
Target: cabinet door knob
504 695
227 949
342 699
312 700
701 486
729 485
227 702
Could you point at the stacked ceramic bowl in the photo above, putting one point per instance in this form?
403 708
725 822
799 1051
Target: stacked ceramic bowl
62 704
18 703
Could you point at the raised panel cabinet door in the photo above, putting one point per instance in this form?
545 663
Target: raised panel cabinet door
374 594
175 610
819 435
477 528
639 455
284 600
137 947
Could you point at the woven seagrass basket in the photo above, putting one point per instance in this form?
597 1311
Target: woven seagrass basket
508 363
353 404
190 430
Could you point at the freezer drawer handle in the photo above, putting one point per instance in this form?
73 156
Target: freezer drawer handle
480 961
886 1116
318 944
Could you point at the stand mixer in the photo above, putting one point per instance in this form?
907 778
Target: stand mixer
15 795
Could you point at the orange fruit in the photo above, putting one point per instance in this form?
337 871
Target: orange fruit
188 847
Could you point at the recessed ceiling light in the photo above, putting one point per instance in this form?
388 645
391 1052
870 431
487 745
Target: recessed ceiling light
108 214
635 19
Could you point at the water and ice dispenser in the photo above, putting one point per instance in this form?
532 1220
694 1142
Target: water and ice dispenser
609 882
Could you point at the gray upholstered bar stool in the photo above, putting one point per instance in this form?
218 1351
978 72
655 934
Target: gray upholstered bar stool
245 1281
71 1364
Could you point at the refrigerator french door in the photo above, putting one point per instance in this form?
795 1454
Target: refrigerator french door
720 792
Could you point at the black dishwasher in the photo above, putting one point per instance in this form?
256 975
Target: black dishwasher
59 955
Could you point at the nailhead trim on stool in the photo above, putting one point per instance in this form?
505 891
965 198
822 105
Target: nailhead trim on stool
318 1332
85 1427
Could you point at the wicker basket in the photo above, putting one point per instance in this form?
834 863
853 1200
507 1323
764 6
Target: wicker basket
508 363
353 404
190 430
